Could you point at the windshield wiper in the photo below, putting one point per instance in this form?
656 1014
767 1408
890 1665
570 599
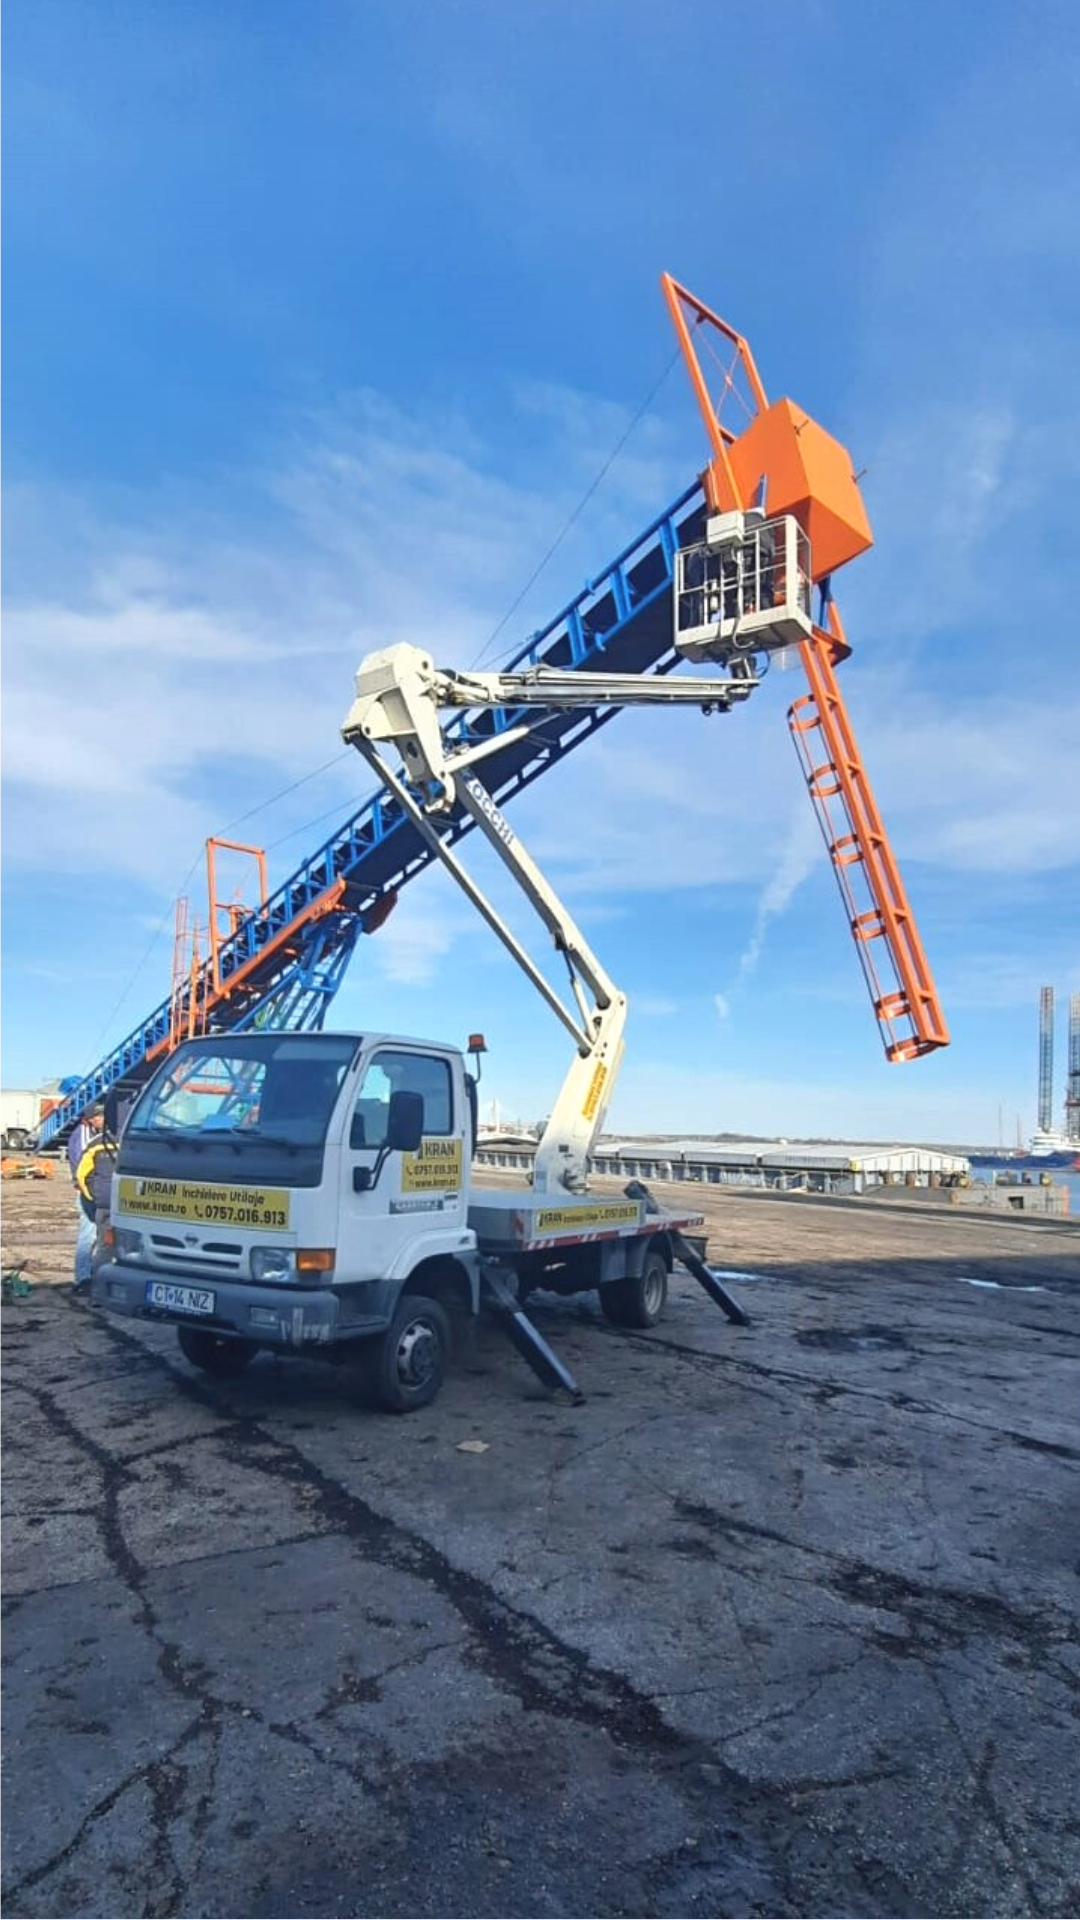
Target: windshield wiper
235 1135
201 1138
172 1136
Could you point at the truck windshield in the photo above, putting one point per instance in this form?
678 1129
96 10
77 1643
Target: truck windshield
268 1090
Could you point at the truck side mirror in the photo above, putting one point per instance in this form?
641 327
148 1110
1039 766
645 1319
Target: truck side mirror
405 1122
404 1133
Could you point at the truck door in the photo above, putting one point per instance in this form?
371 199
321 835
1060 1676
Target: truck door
415 1195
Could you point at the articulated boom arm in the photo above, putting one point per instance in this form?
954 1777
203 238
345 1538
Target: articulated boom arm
399 695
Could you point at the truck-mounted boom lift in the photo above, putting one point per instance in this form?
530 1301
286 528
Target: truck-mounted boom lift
399 696
313 1193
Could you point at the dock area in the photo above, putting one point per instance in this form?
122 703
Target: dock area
784 1619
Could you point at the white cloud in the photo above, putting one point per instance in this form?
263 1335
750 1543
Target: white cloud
667 801
938 495
163 673
412 944
801 853
722 1005
980 785
670 801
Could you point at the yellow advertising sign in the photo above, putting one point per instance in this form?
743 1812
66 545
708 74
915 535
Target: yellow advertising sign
205 1204
596 1088
436 1168
615 1213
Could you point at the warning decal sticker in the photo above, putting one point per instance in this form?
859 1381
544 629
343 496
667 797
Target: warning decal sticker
596 1088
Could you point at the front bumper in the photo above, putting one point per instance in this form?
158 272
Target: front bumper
271 1316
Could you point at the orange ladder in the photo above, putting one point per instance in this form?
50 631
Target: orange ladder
905 1003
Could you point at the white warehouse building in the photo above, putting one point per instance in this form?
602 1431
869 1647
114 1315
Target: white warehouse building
815 1167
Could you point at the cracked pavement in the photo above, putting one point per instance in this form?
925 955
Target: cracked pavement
783 1620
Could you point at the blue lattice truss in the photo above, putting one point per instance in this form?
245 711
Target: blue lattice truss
621 622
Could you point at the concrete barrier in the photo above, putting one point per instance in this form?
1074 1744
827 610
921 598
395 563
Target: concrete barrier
1014 1198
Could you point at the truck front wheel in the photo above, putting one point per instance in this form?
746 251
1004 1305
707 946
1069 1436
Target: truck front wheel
638 1299
215 1354
406 1366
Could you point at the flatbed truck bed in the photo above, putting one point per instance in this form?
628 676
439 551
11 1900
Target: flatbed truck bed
518 1221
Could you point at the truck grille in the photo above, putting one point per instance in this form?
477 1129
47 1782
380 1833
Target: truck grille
212 1256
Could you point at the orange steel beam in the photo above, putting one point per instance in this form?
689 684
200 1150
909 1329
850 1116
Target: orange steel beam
679 300
315 910
199 985
906 1006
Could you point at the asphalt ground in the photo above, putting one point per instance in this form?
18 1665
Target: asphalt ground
782 1620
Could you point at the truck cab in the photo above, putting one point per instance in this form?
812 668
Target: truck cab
290 1191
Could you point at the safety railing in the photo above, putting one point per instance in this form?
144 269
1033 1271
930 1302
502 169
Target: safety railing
750 590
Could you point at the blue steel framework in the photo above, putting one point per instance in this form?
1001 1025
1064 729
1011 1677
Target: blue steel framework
282 967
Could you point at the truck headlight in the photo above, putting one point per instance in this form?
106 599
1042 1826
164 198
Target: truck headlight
271 1263
127 1244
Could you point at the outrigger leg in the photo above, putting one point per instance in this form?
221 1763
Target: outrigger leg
692 1261
706 1278
529 1342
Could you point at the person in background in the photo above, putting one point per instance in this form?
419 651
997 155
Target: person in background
94 1173
94 1181
83 1136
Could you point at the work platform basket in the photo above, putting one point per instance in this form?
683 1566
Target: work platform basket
744 588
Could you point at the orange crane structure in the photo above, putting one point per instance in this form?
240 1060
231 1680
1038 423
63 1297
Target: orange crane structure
787 464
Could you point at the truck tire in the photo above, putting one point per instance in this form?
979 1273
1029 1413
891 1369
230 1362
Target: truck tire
405 1367
214 1353
638 1300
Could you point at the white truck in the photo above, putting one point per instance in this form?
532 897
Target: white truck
20 1111
311 1192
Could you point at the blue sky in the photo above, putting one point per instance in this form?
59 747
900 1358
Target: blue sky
321 320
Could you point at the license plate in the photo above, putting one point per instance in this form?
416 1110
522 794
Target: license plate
162 1293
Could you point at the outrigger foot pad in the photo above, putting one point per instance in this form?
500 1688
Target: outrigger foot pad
529 1342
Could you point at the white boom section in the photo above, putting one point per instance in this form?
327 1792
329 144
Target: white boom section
399 695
